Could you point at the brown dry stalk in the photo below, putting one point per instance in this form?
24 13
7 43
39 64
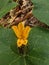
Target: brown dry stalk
20 19
21 11
29 14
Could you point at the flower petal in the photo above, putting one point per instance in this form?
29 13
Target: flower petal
15 29
21 28
26 32
25 42
19 42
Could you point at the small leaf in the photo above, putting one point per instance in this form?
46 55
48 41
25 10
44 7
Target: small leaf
41 10
6 6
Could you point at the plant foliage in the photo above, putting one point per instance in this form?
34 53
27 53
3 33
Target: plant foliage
38 48
6 6
41 10
38 41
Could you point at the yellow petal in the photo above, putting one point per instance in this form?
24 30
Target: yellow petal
15 29
26 32
21 28
25 42
21 42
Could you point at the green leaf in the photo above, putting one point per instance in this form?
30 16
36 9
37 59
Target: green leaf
39 46
8 49
41 10
38 52
6 6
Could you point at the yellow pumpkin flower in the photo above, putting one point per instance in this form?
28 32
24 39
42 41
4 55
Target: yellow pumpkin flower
21 42
21 33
